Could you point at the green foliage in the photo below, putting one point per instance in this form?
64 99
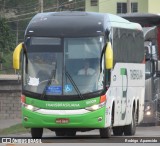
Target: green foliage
17 14
7 40
7 43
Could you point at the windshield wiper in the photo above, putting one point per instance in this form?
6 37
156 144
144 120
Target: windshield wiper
53 75
74 84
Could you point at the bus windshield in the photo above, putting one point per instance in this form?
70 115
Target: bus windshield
48 60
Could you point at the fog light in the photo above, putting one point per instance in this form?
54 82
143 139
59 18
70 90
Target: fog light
99 119
25 118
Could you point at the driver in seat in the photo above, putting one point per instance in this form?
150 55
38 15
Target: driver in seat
86 70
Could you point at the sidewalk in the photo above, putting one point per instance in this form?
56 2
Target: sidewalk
9 122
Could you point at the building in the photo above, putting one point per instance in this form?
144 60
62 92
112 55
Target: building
120 6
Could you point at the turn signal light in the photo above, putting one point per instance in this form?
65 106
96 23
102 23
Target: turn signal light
103 99
23 98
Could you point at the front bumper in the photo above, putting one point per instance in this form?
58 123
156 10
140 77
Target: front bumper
86 120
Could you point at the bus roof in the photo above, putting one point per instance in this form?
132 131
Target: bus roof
75 24
144 19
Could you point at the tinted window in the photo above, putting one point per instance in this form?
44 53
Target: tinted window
128 45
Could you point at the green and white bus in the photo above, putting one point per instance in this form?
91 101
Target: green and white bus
55 96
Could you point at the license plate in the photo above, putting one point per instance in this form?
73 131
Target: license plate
62 120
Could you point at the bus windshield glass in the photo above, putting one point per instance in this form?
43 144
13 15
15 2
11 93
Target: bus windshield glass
46 64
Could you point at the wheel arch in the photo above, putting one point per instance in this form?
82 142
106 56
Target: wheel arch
110 112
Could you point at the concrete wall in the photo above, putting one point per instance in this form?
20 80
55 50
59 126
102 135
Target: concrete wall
10 92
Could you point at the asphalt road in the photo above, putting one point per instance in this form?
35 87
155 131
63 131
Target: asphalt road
143 135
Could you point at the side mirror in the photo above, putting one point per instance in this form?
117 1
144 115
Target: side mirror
16 56
109 56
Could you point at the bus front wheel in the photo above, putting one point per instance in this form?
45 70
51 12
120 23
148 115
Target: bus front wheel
36 132
60 133
71 133
105 132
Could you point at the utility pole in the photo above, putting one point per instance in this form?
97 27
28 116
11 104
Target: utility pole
129 6
41 5
17 34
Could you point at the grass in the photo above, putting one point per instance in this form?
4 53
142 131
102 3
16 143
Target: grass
14 130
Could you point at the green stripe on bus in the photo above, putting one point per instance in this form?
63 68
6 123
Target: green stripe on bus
123 71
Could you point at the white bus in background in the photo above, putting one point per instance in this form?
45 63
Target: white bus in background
151 29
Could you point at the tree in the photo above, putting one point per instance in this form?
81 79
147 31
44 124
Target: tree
7 39
7 43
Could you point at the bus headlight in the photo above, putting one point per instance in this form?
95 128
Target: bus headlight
30 107
148 110
148 113
95 107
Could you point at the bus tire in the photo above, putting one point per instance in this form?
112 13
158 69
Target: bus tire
36 132
131 129
60 133
118 131
71 133
105 132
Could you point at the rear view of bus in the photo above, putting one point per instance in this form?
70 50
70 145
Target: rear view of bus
57 92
